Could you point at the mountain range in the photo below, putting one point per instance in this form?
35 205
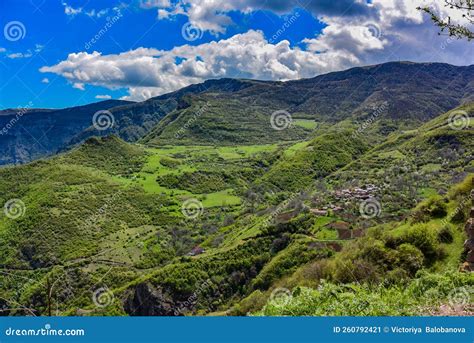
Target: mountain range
343 194
243 107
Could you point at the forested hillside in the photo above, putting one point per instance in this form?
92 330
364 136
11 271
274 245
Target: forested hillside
357 205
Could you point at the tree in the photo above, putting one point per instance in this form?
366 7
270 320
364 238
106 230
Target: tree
465 8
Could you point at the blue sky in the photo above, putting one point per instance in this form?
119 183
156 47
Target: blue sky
151 47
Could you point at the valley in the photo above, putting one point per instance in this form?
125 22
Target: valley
207 209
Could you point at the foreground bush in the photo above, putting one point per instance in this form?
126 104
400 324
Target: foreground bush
422 296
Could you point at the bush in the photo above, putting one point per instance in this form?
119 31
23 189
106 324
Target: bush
425 240
433 207
421 296
445 235
410 258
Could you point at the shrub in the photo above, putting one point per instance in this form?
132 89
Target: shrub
424 239
410 258
433 207
445 235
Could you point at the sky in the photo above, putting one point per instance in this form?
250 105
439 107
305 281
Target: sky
63 53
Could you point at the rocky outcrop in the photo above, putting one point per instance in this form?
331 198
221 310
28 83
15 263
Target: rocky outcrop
147 300
468 265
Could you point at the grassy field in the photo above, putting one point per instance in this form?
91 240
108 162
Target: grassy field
177 160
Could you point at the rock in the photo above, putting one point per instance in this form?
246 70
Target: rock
470 256
468 266
469 244
148 300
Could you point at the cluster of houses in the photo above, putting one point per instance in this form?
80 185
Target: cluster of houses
344 195
363 193
344 229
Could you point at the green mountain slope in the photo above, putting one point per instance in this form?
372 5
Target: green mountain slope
396 95
182 230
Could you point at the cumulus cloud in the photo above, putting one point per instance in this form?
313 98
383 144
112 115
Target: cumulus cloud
45 80
381 31
213 15
149 72
394 30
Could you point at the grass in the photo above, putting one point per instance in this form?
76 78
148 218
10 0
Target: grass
305 123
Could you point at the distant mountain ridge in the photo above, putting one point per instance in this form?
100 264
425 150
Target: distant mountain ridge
237 111
28 134
412 93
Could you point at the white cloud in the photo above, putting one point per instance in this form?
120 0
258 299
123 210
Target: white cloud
149 72
45 80
154 3
382 31
78 85
393 30
213 15
19 55
69 10
2 49
103 97
100 13
93 13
